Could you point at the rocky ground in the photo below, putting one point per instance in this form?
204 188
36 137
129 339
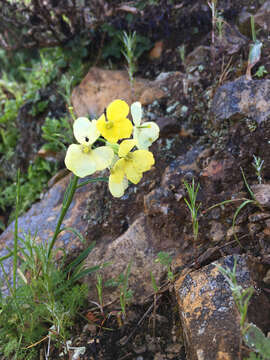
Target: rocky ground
213 120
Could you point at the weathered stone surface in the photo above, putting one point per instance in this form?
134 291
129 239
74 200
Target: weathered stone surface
230 40
262 17
207 310
199 56
41 219
100 87
242 98
262 194
136 246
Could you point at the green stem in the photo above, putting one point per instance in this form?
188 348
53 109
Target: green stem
253 32
15 250
66 204
91 181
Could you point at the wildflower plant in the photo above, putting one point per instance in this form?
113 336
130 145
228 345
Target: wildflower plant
124 161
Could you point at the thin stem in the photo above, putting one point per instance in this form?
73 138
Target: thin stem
91 181
13 294
65 206
253 32
15 250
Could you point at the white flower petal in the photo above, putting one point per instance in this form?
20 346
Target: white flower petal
146 135
85 131
80 163
136 112
103 157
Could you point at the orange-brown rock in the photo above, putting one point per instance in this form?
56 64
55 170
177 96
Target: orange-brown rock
208 313
157 50
100 87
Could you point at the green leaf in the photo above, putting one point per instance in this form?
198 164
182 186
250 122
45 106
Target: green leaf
84 273
257 341
80 258
75 232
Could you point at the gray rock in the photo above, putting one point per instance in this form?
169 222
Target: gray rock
242 98
262 17
40 221
135 246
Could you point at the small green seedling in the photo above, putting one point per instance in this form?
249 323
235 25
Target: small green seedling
241 296
129 46
261 71
182 53
258 164
125 292
251 334
213 7
193 207
165 259
99 286
219 25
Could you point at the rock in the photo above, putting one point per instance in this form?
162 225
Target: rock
244 22
266 279
245 104
100 87
262 194
137 247
242 98
169 125
207 310
230 40
259 216
262 17
41 219
217 232
199 56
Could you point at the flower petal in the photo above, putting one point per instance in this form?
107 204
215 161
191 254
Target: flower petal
117 110
85 131
132 172
80 163
114 131
102 156
118 171
146 134
126 146
117 189
136 112
125 128
142 160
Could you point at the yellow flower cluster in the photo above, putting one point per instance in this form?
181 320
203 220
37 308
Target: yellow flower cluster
125 163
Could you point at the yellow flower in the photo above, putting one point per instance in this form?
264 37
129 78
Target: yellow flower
113 124
81 159
130 166
146 133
